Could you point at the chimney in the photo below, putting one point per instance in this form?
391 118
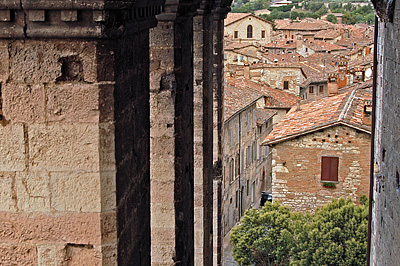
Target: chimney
246 71
298 105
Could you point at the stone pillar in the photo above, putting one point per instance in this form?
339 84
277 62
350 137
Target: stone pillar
74 132
171 116
203 133
220 11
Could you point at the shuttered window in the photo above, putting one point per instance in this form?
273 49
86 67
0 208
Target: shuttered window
329 168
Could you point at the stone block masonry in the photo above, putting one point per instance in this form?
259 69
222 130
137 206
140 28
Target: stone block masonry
385 224
296 168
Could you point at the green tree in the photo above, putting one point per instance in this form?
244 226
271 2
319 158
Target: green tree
266 236
335 235
348 18
260 4
331 18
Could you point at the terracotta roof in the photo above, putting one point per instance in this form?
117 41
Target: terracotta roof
285 44
327 34
236 98
275 98
232 17
304 25
345 109
324 46
238 45
263 115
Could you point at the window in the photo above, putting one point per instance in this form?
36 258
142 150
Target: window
253 192
237 199
241 58
237 134
242 162
286 85
247 187
231 169
235 58
254 118
321 89
236 34
243 131
329 169
231 138
292 36
249 31
311 89
237 165
225 56
254 151
248 121
263 34
250 52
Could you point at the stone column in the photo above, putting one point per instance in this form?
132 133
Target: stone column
172 163
74 133
203 133
221 10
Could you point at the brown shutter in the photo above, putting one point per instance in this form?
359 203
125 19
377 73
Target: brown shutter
325 165
334 168
329 168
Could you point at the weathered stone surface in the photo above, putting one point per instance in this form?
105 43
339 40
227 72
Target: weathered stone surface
33 192
71 147
37 61
72 103
40 228
107 148
18 254
24 103
12 148
77 255
108 190
109 254
7 192
51 255
75 191
109 227
5 61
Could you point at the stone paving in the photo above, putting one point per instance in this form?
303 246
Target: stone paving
227 258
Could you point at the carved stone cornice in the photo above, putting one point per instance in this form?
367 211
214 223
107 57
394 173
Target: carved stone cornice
174 9
222 8
76 18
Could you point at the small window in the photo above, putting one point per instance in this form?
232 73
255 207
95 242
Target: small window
237 199
250 52
248 122
225 56
292 36
241 58
286 85
285 36
236 34
263 34
253 192
311 89
247 187
235 58
329 169
231 138
249 32
321 89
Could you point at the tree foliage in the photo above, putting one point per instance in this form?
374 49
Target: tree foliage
335 235
331 18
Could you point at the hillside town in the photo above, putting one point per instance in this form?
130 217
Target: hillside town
297 120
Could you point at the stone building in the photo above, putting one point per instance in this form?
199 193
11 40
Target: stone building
246 27
109 111
246 165
385 181
322 142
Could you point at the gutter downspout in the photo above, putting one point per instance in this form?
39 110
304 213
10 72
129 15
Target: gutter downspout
371 181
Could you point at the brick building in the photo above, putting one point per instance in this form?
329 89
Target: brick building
320 142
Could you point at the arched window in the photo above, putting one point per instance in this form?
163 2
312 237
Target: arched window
250 31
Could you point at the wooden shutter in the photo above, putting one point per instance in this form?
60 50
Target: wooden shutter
329 168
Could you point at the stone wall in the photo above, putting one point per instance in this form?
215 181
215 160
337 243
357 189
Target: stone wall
386 209
296 167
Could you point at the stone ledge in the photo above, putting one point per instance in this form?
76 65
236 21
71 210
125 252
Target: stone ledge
76 19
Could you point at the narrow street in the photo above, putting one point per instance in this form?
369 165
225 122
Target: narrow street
227 253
